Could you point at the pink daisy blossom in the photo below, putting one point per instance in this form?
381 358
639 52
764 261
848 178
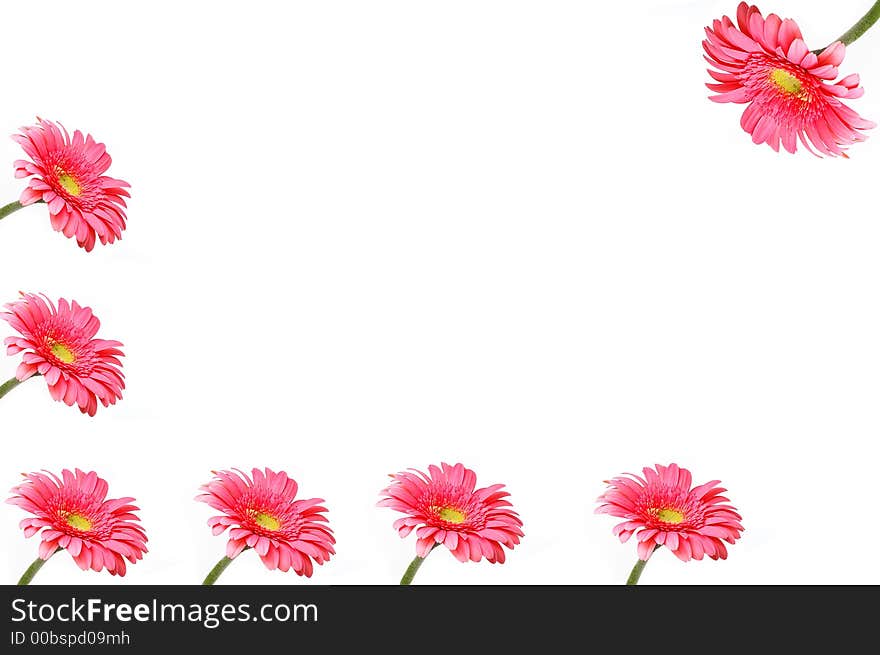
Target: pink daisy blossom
444 508
59 344
662 509
68 174
73 513
790 92
261 513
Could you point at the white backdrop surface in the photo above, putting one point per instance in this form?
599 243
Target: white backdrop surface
366 236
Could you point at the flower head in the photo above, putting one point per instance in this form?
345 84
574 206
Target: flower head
59 344
261 513
790 91
444 508
73 514
662 509
68 174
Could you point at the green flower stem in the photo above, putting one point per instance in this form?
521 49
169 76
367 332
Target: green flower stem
6 210
216 571
861 26
411 571
413 568
8 386
28 575
636 573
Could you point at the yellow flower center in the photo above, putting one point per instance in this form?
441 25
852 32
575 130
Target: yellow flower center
670 515
63 353
68 183
78 522
266 521
785 81
451 515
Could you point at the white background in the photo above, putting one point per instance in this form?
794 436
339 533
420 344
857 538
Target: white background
366 236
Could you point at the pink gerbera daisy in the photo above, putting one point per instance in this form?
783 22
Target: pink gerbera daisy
662 509
261 513
59 344
790 91
73 513
68 174
444 507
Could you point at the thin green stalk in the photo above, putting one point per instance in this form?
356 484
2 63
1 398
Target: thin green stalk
28 575
636 573
6 210
861 26
8 386
211 578
414 566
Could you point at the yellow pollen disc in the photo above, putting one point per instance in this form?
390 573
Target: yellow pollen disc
785 81
63 353
68 183
452 515
266 521
79 522
670 515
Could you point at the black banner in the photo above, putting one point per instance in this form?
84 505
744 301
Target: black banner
247 619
